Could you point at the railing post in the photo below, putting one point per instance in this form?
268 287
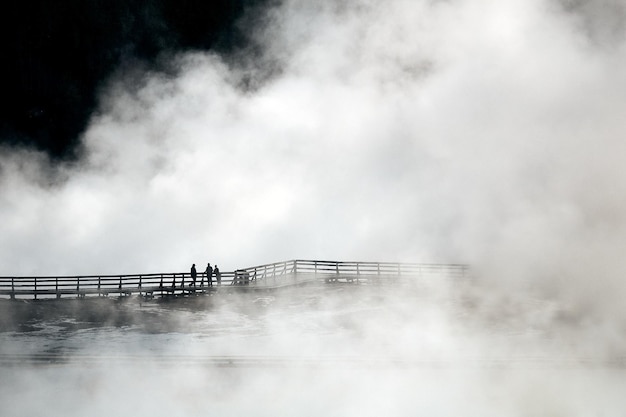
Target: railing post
119 287
56 287
35 281
12 288
358 272
140 282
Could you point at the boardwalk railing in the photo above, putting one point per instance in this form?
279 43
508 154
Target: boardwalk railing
105 285
273 275
303 270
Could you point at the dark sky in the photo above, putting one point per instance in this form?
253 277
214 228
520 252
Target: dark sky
57 54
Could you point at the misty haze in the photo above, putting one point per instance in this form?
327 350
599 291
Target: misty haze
142 139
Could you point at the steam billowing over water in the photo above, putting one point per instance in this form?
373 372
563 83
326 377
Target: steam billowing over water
348 350
478 132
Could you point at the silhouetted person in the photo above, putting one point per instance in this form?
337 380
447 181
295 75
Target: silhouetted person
209 274
193 275
218 276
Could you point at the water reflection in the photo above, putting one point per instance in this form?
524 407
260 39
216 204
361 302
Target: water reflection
307 350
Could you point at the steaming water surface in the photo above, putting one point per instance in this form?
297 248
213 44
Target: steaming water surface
329 350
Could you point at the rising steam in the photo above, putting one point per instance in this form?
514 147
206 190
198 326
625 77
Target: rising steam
488 133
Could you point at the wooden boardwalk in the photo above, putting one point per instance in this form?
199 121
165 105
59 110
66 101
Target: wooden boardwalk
262 277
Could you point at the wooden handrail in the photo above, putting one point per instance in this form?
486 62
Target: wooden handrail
298 270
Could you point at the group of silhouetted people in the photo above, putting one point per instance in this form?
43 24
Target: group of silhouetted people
209 272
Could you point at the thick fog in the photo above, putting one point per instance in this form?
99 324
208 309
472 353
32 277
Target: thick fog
424 348
486 133
420 131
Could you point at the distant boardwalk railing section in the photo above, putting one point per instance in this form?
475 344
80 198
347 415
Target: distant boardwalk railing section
335 271
275 275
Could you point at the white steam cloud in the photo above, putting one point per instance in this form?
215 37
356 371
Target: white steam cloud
480 132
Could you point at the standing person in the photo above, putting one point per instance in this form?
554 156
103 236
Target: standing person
218 276
209 274
193 275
